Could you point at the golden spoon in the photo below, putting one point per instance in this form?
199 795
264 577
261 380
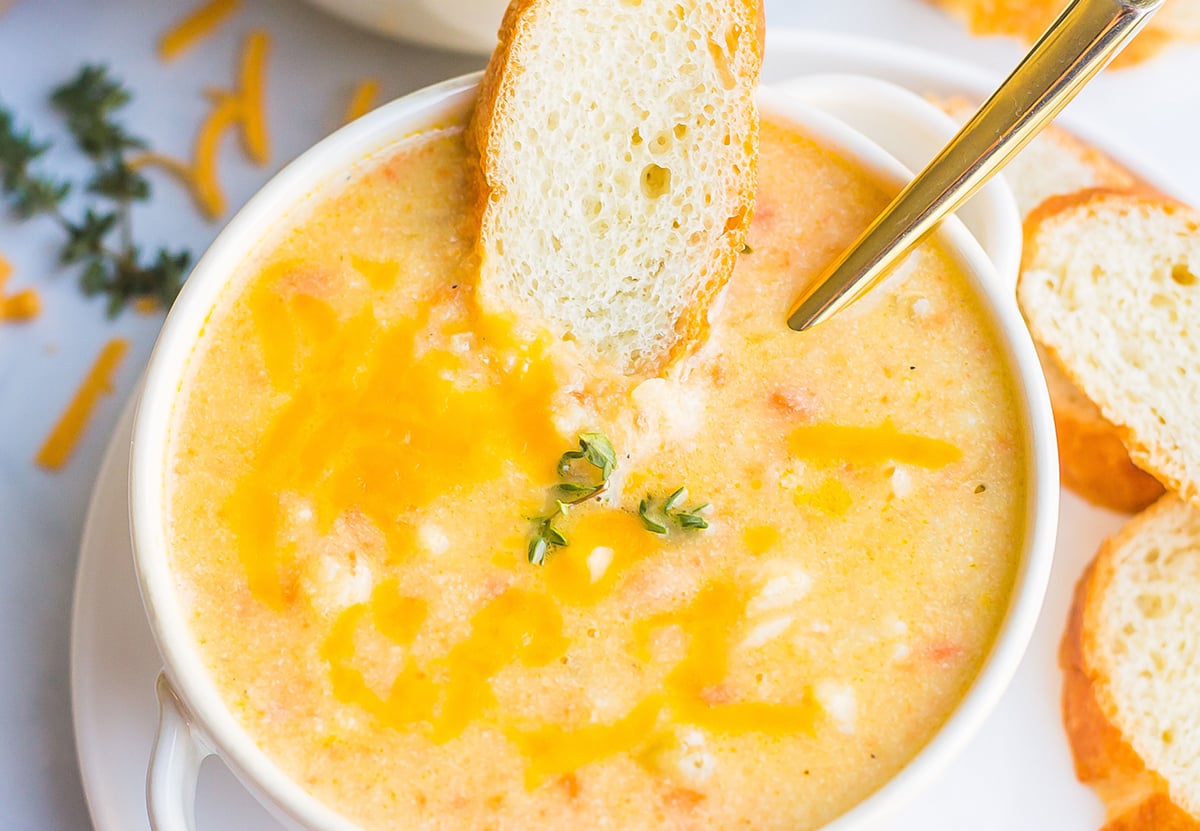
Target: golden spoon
1087 35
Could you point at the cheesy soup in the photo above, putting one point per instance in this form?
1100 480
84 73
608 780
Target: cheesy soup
363 465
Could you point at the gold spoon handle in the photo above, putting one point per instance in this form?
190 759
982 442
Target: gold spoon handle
1087 35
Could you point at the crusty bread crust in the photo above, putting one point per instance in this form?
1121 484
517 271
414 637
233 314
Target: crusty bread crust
1092 460
1142 455
493 115
1136 799
1028 19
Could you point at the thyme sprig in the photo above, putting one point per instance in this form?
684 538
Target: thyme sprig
599 458
116 269
670 512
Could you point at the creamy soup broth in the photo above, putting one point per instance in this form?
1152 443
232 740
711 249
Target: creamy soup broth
357 450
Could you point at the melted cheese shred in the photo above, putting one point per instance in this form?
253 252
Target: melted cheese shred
377 424
834 443
196 25
61 442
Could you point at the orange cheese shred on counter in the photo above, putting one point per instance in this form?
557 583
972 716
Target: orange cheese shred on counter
66 433
195 26
363 99
250 95
243 108
20 306
205 182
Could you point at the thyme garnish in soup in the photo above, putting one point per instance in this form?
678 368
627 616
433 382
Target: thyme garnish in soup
747 594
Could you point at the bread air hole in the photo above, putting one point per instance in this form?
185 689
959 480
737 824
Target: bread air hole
721 63
1183 275
1151 606
661 143
656 181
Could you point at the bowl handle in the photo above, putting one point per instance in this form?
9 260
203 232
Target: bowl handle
174 765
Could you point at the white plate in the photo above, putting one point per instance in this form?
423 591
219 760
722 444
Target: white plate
1016 774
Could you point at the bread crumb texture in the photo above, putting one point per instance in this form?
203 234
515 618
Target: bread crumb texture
618 147
1110 286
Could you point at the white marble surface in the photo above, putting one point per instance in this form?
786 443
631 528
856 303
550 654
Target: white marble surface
314 64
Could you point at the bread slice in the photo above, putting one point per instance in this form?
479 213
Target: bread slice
1109 286
618 145
1053 164
1131 664
1028 19
1093 462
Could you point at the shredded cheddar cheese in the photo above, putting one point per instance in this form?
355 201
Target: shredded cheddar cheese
184 173
243 108
835 443
66 433
206 183
363 99
195 26
22 306
251 108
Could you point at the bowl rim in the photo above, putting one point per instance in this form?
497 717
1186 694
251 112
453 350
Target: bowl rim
379 132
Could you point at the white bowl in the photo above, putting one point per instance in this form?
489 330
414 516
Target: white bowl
462 25
194 721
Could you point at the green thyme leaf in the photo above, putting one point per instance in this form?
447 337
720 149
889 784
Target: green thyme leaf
87 238
17 150
119 182
651 525
673 499
94 278
537 551
598 450
37 195
686 520
691 520
576 490
88 102
554 537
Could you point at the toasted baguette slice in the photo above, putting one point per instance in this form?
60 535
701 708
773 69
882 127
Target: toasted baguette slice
1109 287
618 146
1028 19
1093 462
1053 164
1131 663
